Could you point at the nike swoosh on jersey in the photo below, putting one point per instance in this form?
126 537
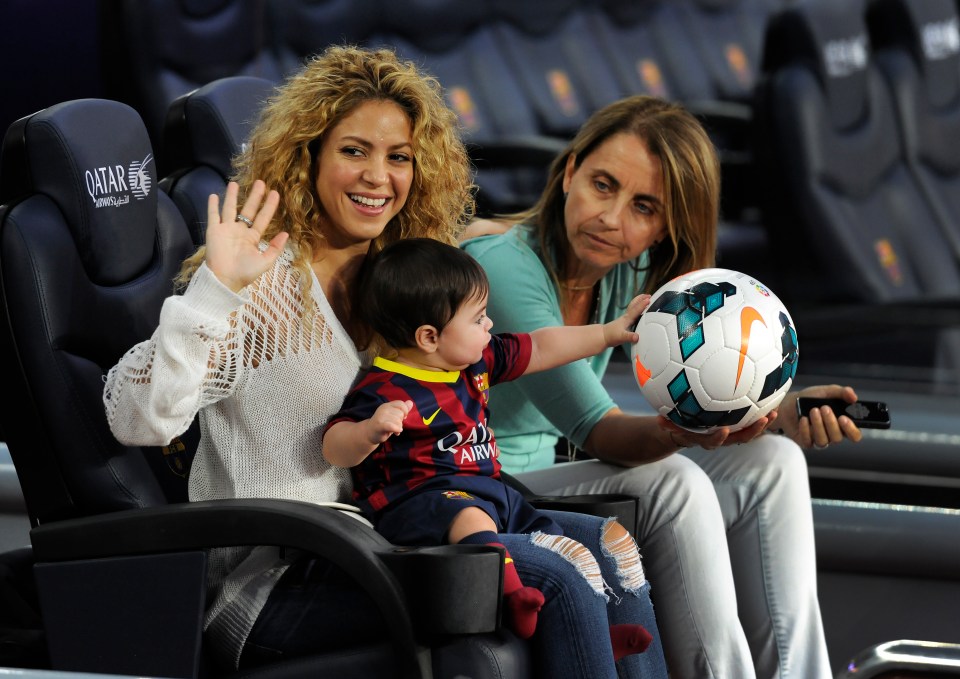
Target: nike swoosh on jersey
428 420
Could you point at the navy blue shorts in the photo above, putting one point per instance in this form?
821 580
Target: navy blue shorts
423 517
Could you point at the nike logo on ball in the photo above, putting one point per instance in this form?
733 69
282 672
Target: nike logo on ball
748 316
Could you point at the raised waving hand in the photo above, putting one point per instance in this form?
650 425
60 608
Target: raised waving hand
233 238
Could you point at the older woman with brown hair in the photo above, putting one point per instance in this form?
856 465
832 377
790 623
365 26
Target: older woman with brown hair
727 537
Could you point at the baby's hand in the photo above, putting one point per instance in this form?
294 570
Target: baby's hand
621 330
387 420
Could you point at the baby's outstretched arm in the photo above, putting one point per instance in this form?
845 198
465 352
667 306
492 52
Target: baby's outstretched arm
347 444
563 344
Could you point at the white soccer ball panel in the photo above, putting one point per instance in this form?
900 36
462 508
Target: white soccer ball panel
719 378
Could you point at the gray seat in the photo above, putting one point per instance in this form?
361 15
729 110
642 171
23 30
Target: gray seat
847 217
917 48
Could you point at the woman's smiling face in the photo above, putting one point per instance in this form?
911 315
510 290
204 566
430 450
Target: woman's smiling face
365 170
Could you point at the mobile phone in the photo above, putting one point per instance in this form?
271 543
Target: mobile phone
865 414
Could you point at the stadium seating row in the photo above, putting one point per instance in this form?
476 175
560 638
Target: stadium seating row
513 70
522 76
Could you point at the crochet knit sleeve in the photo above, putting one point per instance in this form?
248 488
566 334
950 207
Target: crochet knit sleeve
194 358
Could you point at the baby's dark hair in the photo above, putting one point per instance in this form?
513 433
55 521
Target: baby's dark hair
414 282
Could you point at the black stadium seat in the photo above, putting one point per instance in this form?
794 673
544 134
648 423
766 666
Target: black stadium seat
528 36
302 28
728 36
631 34
848 218
170 47
557 38
917 47
498 122
204 130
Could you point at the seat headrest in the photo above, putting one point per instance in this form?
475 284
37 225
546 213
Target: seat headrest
930 32
629 14
534 18
717 5
831 38
93 159
215 121
435 26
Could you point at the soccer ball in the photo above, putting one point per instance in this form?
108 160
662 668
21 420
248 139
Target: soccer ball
717 349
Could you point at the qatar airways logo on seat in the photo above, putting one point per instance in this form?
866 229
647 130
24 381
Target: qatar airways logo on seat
113 185
941 39
845 57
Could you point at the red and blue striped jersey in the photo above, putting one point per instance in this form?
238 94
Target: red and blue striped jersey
445 433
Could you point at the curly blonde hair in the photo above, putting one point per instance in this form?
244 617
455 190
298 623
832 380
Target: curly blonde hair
691 186
283 146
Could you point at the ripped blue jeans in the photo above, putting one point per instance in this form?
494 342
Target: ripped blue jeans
573 638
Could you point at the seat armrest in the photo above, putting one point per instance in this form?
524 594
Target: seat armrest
887 540
393 576
624 507
829 321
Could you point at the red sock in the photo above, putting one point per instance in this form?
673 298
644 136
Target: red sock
629 639
522 603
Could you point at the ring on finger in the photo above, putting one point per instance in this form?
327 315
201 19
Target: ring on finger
245 220
817 446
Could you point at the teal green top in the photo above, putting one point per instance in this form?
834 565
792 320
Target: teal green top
531 413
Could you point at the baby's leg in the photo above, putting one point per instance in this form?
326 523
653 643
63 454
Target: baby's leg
474 526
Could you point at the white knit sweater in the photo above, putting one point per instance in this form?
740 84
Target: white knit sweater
264 383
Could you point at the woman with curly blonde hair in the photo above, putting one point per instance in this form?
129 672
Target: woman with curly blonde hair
282 151
355 151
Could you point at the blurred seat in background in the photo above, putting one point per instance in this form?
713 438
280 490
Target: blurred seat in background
204 130
917 47
847 219
165 48
847 216
454 42
563 72
302 28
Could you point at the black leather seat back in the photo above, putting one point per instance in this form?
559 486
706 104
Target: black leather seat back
847 218
631 34
89 247
558 40
453 41
917 46
302 28
529 37
170 47
204 130
728 36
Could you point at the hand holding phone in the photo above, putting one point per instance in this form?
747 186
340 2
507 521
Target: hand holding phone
865 414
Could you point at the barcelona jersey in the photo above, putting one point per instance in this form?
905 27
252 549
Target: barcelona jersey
444 434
